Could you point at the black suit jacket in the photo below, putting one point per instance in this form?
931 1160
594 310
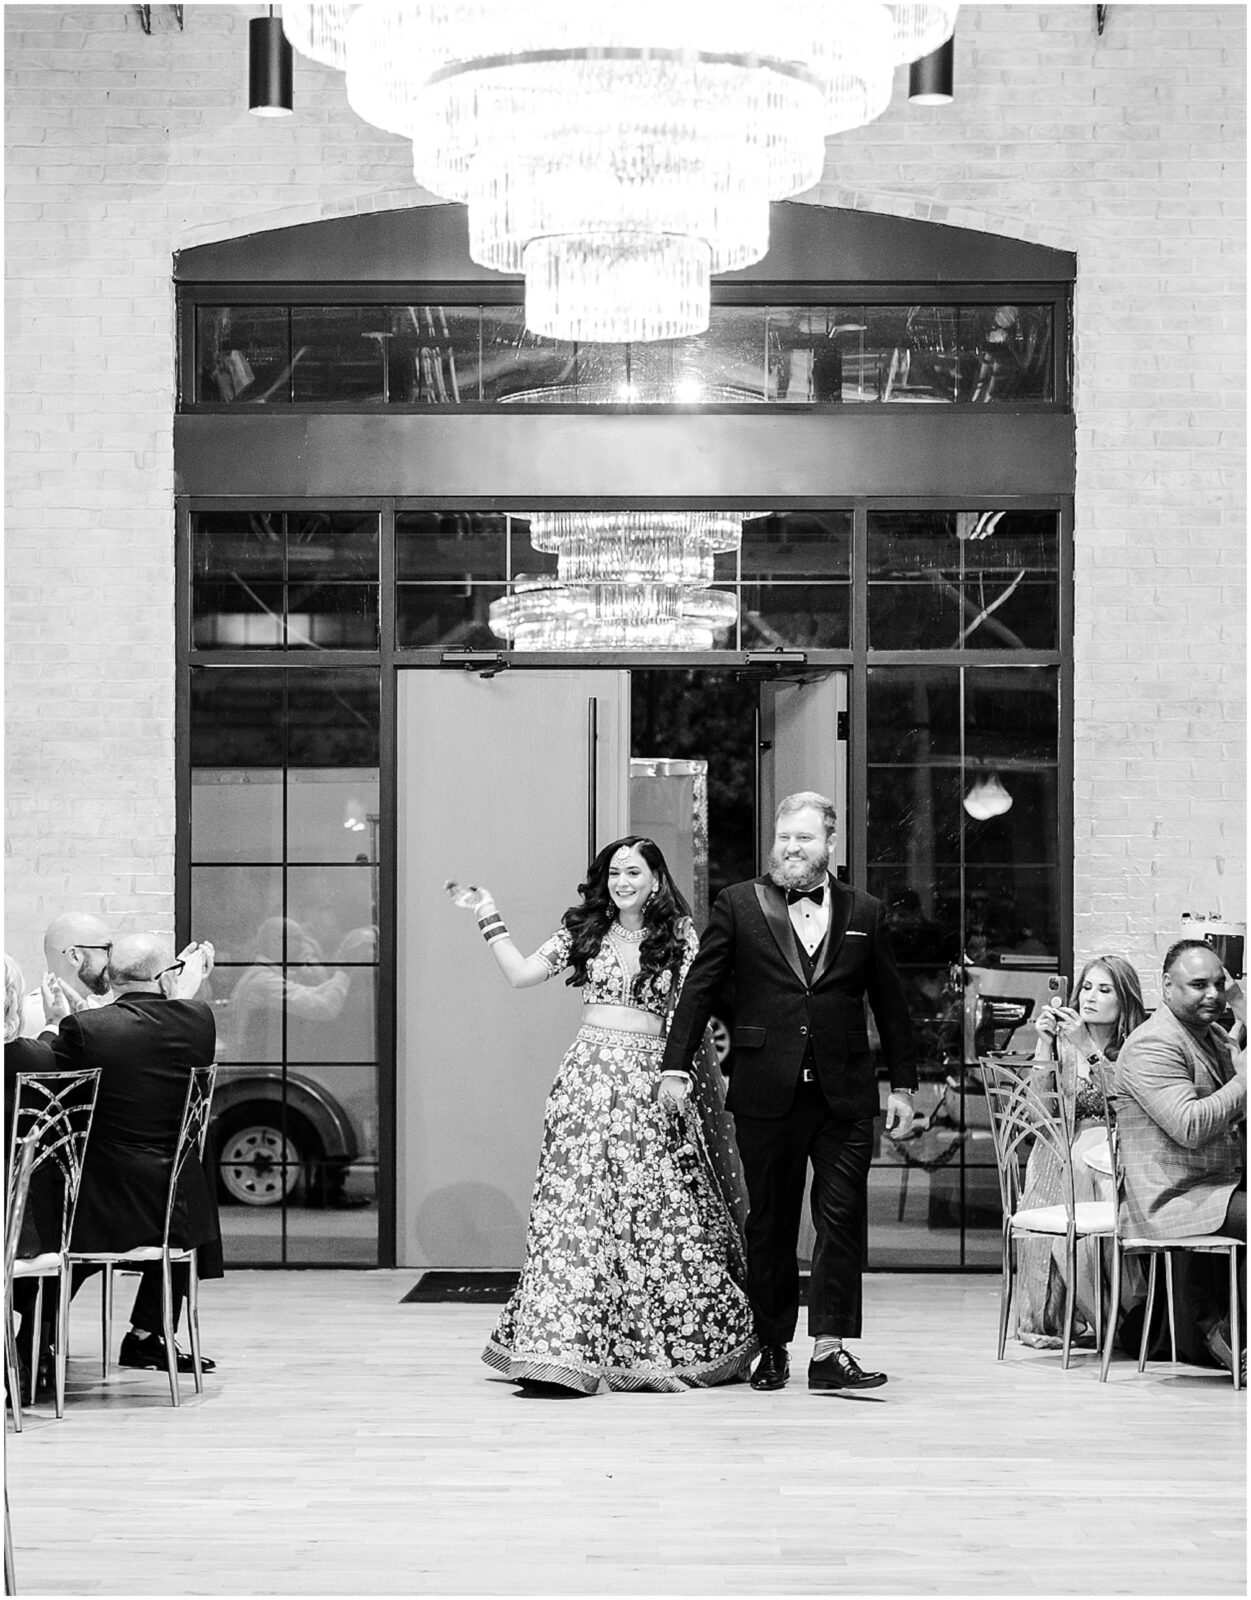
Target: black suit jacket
145 1047
778 1012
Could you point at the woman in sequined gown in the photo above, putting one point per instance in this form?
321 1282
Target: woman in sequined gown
1085 1037
634 1258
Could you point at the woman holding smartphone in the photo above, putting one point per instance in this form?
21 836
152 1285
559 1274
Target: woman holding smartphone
1083 1039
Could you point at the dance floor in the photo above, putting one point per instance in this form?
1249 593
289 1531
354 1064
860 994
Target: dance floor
350 1444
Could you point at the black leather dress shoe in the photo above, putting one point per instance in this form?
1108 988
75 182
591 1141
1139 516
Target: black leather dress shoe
149 1355
842 1371
773 1368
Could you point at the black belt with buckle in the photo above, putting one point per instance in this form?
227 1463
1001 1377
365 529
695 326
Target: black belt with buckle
807 1075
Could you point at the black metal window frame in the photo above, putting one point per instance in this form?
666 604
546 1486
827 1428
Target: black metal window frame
764 295
389 659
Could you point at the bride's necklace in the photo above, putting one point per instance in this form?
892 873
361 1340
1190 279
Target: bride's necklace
626 935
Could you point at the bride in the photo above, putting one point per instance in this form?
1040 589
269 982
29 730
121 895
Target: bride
633 1268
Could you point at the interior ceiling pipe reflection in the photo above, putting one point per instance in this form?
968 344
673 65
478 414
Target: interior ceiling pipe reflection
931 78
269 68
617 155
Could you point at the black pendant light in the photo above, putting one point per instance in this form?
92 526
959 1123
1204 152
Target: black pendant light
930 78
269 67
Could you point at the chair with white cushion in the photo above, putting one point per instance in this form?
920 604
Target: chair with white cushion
55 1109
1029 1115
192 1134
21 1165
1126 1244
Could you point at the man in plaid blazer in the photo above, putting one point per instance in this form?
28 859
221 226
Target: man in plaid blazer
1181 1110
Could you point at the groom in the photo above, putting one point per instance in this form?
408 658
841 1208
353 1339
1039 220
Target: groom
803 951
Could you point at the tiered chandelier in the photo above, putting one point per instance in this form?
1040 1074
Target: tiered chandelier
625 580
617 152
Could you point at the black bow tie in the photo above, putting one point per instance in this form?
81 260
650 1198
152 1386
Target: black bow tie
816 895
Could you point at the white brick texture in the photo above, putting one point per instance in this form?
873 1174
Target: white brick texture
1128 149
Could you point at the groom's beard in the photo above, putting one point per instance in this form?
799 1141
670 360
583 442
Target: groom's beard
805 874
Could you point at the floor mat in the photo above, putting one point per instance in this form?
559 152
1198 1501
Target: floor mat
480 1288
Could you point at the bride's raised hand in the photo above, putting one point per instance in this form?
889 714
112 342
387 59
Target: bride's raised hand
469 896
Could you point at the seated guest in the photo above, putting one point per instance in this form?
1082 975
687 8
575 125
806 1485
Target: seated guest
1181 1106
146 1044
76 949
1084 1037
41 1222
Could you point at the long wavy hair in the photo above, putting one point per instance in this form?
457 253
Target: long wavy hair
14 998
663 912
1128 989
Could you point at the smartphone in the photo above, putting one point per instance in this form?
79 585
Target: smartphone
1057 986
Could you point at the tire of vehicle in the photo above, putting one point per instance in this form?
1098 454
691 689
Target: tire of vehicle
261 1161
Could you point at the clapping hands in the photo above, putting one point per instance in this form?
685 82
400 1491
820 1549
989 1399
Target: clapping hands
59 1000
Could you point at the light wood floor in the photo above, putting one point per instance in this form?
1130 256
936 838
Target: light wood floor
348 1444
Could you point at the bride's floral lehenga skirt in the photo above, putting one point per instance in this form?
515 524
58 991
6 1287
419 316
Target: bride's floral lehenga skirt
629 1278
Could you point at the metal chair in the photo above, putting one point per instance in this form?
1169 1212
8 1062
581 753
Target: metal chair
55 1109
192 1134
1029 1114
21 1165
1124 1244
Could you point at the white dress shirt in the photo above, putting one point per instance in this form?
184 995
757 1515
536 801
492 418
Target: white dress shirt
809 920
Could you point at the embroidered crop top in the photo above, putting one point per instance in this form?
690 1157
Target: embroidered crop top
612 973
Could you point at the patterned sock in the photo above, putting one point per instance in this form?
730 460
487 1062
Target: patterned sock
826 1345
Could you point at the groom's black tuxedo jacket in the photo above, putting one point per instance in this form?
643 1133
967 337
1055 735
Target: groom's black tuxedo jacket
779 1012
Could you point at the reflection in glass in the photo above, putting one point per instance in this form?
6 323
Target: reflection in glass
336 909
906 1228
229 903
269 1011
448 355
796 616
792 545
236 814
243 354
237 615
332 616
963 580
332 718
446 616
249 544
915 809
341 353
332 544
914 714
516 361
957 887
451 546
273 579
294 990
237 716
332 815
947 354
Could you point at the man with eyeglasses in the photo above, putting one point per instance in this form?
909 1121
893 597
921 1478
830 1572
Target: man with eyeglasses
76 950
145 1044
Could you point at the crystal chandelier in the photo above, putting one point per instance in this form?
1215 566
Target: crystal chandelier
617 154
625 580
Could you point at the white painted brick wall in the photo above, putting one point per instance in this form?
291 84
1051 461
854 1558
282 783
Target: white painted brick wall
1128 149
